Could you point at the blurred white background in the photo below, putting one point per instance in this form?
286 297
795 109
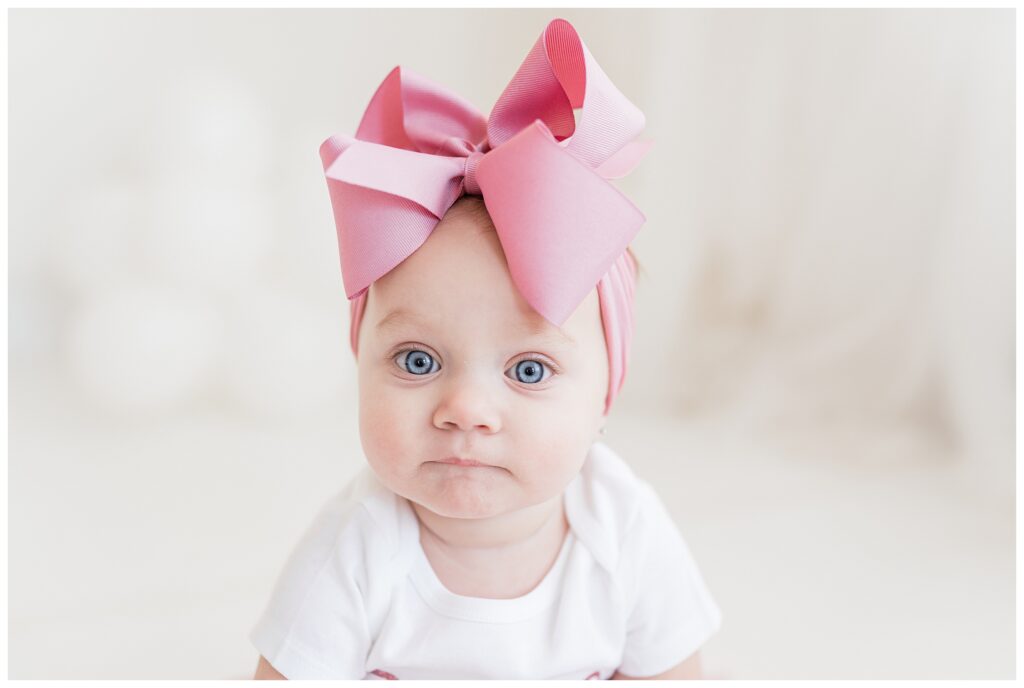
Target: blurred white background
822 379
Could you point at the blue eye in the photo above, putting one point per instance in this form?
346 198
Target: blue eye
417 362
530 371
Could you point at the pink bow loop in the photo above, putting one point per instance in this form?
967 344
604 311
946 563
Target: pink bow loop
433 181
559 75
412 112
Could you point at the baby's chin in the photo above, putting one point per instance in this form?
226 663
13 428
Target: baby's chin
458 511
459 492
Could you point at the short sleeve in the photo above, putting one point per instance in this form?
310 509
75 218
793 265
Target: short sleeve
315 624
672 613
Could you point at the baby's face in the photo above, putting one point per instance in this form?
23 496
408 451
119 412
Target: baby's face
454 363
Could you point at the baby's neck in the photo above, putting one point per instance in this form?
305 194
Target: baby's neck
494 558
521 529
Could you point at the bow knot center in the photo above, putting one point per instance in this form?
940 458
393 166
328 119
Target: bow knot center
469 181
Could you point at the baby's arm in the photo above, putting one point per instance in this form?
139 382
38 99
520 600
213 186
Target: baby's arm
688 668
266 672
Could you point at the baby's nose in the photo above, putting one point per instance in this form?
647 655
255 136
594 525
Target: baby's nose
468 405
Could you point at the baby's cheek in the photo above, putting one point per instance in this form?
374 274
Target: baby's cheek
579 419
379 422
559 445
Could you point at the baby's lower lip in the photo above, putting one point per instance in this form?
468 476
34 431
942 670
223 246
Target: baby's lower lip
464 462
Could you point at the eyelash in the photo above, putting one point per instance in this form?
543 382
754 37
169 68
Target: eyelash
533 357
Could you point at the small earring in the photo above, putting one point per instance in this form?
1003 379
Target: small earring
601 431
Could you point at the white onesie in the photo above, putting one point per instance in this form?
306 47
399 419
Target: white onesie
359 599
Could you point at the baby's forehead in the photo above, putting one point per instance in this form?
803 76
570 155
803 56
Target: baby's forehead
391 312
458 314
460 274
458 260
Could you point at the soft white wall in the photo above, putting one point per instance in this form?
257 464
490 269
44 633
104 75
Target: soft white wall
827 266
831 222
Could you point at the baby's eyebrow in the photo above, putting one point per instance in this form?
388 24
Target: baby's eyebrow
539 329
542 330
396 316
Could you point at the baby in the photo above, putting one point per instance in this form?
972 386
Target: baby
491 535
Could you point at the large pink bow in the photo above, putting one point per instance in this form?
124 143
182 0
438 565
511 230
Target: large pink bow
543 176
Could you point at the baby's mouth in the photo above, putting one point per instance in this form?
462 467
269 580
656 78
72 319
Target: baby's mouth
464 462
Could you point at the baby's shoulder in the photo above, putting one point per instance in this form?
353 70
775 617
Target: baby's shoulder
356 530
604 503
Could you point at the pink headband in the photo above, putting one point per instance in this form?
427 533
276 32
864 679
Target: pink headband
419 147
